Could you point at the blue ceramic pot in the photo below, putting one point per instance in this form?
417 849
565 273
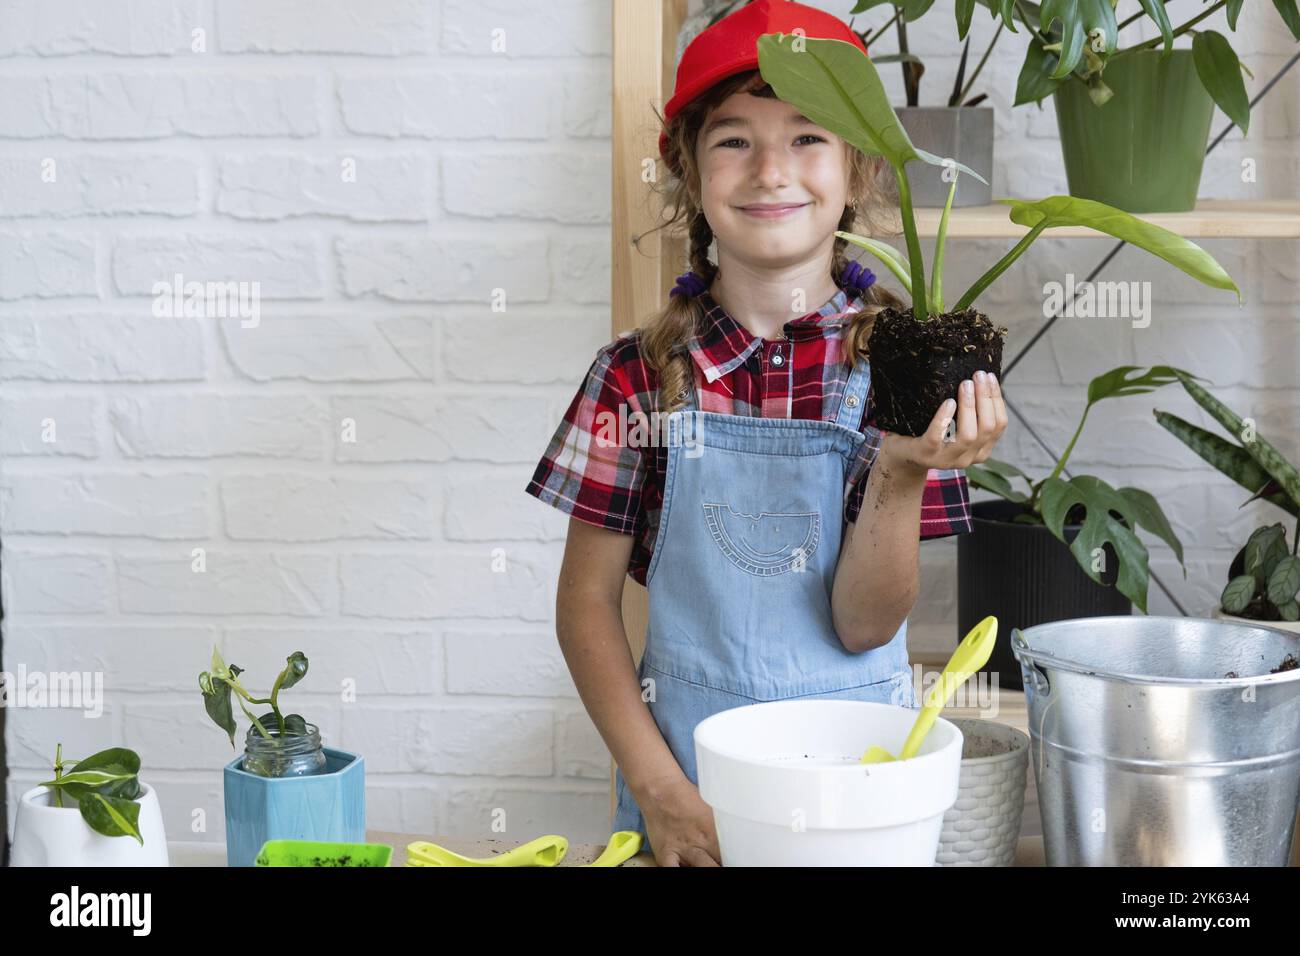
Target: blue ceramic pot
327 807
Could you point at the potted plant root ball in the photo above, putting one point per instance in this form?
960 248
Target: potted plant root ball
285 785
919 356
92 812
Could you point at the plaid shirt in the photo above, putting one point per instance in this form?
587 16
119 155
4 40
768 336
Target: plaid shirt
595 471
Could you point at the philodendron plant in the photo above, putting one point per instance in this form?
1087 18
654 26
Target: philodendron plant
104 786
1109 517
219 683
920 356
1263 579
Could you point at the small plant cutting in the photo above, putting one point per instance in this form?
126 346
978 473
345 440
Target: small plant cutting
222 681
105 786
921 355
1109 517
1264 577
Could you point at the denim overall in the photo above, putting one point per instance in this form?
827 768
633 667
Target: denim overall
741 572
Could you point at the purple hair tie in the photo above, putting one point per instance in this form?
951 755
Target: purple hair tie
689 283
856 277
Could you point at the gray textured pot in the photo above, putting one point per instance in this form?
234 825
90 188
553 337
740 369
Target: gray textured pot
983 827
962 133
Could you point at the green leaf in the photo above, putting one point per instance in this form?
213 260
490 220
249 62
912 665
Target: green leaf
912 9
1117 384
896 58
1232 460
90 778
1155 9
1238 594
1220 73
295 670
835 84
216 701
981 477
112 816
1148 514
1264 551
114 757
1284 582
892 259
295 725
1232 10
965 9
1083 22
1173 248
936 262
1035 80
1098 529
1290 611
1259 448
1291 17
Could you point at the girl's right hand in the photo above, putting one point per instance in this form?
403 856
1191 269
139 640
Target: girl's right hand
680 826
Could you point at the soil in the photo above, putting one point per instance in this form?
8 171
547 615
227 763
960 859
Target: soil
916 366
1289 663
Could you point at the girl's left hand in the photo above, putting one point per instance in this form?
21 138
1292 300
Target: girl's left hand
981 420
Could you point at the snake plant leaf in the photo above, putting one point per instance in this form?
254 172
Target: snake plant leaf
834 84
1100 527
1173 248
1232 460
892 259
1284 582
1259 448
112 816
989 480
1083 22
1220 73
1238 593
1290 16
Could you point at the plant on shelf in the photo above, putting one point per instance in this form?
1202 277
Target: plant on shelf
223 680
104 786
1073 42
1109 517
920 356
1264 577
908 11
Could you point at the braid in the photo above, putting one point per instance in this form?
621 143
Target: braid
675 378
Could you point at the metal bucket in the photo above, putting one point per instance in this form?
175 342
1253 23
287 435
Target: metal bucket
1147 753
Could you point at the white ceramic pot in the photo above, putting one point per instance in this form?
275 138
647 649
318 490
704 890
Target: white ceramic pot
786 788
983 827
1220 614
46 835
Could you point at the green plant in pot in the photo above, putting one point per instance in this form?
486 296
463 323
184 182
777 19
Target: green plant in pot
1134 120
962 129
920 356
1264 576
91 812
1014 565
277 745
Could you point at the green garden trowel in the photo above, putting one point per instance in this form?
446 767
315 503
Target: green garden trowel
971 654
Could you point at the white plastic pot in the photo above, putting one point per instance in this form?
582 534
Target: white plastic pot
1219 614
786 788
46 835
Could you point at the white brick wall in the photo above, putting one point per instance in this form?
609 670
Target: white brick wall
352 464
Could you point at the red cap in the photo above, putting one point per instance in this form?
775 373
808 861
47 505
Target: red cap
730 46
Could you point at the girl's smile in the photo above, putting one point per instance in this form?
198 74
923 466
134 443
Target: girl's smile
772 210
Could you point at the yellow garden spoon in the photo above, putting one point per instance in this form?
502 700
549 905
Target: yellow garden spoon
544 851
971 654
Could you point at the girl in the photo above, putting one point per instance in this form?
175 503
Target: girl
756 591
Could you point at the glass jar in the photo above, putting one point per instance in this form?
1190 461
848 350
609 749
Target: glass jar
297 755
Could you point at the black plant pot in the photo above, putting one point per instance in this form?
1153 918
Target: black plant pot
1022 575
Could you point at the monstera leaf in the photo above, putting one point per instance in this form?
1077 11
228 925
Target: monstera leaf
1111 517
